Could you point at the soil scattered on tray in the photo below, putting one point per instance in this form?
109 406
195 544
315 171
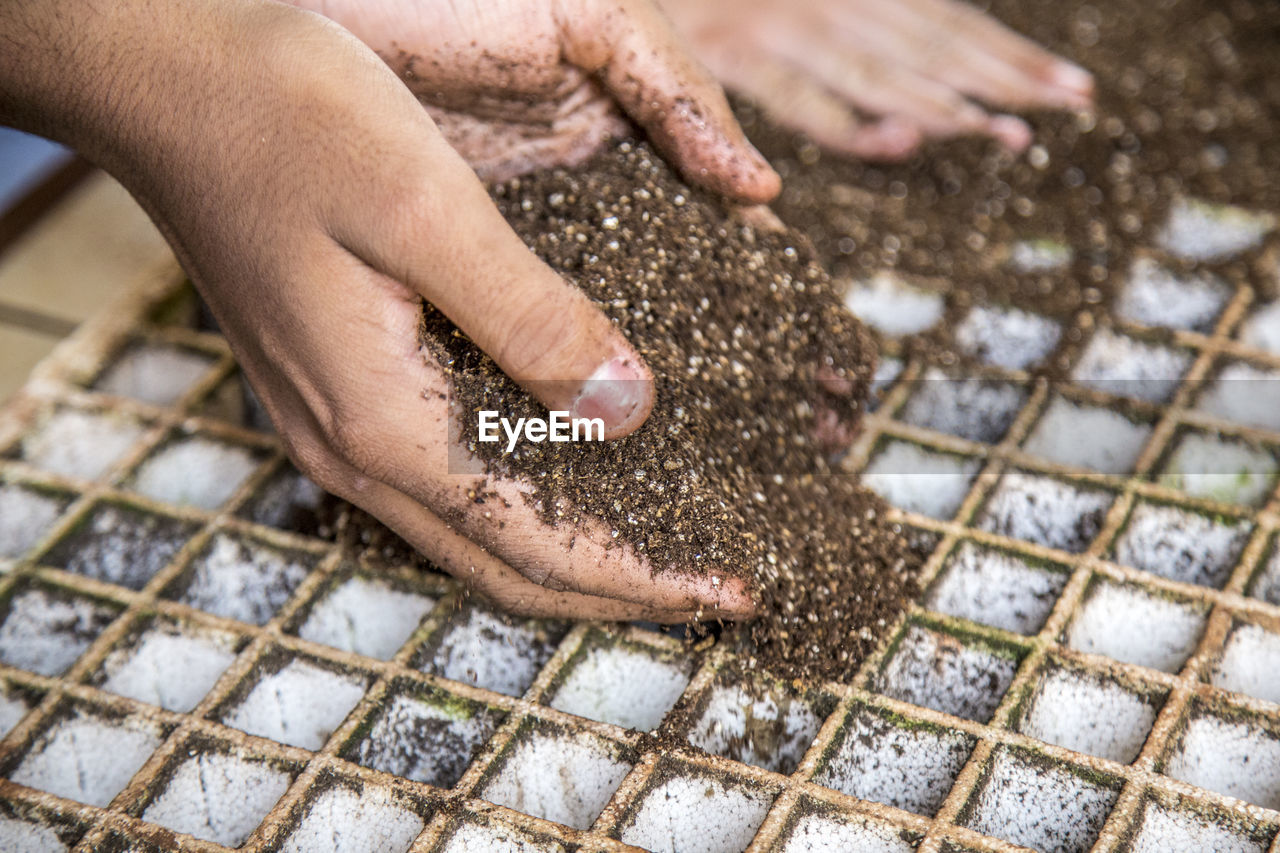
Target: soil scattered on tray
731 474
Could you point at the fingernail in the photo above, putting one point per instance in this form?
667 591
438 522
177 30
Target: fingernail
1067 75
1012 132
617 393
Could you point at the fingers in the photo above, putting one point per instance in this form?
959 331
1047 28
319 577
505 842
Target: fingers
646 66
443 238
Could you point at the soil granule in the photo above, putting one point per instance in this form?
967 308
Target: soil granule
731 474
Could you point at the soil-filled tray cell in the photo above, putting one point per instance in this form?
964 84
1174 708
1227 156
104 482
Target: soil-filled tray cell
1128 367
1163 829
691 812
1045 511
366 616
1250 663
976 409
916 479
1220 469
1265 583
170 665
1006 337
46 630
25 516
761 724
622 684
241 579
900 763
218 797
1262 329
1244 394
87 757
893 306
817 833
195 471
299 704
154 373
1087 436
340 820
120 545
996 588
1038 804
1138 627
493 837
1089 713
288 501
1202 231
560 776
1180 545
80 444
429 738
492 651
941 672
1231 755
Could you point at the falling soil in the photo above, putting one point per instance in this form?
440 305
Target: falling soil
731 473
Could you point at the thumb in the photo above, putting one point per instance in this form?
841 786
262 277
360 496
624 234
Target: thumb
447 242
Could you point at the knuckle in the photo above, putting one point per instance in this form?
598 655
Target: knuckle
532 336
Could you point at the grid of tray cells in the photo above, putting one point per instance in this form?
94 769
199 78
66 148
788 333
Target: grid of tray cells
1093 665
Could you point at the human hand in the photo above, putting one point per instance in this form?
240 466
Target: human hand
315 204
874 78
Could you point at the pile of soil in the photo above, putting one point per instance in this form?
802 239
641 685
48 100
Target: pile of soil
731 474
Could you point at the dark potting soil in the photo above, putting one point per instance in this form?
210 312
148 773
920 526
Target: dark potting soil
730 474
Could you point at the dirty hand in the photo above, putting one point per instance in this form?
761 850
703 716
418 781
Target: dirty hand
874 78
315 204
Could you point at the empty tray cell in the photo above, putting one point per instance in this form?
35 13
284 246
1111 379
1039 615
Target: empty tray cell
242 579
1134 626
25 516
15 702
493 837
976 409
1201 231
195 471
898 762
762 724
894 307
1006 337
1087 437
1051 807
888 369
80 444
493 651
365 616
560 776
941 672
622 683
693 812
218 797
1250 663
428 737
22 834
1089 713
1244 394
1180 544
1156 296
1262 329
341 820
1163 829
1221 469
819 833
915 479
1045 510
120 544
289 501
1037 256
1230 754
1119 364
154 373
87 757
46 629
996 588
170 665
299 704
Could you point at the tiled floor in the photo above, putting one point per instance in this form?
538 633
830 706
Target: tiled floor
92 245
